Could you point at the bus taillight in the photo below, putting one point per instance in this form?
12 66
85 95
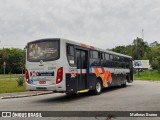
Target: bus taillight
27 76
59 75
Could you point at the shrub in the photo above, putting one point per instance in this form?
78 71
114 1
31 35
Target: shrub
20 81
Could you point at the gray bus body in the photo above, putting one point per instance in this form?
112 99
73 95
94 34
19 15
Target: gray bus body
62 65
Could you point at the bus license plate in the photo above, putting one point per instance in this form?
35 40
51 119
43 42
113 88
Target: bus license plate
42 82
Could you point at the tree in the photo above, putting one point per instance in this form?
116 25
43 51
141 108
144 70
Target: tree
14 59
139 48
158 59
120 49
154 56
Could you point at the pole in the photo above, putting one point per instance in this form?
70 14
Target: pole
4 69
137 54
138 73
4 66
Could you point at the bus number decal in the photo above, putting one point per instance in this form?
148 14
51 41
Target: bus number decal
51 68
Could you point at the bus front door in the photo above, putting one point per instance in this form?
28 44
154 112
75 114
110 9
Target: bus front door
82 63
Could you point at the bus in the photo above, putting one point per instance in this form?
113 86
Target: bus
64 66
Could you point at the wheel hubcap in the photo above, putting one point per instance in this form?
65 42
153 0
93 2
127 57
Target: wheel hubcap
98 87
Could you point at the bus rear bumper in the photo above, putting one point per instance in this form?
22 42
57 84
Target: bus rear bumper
56 88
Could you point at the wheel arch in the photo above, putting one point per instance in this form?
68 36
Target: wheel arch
100 80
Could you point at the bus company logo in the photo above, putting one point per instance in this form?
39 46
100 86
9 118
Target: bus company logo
6 114
73 75
33 73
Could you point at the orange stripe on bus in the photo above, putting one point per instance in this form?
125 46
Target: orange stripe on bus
106 75
83 45
110 78
105 84
103 70
97 72
92 47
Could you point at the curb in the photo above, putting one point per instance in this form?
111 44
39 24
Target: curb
27 95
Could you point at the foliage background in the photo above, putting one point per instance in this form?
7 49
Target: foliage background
140 50
15 60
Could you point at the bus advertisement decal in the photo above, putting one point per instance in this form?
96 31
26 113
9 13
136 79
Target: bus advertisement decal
34 73
97 72
104 74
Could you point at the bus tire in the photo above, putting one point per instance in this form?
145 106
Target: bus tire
98 87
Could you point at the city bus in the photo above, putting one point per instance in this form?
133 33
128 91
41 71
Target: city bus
65 66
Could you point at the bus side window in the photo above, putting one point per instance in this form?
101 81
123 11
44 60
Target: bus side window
127 62
102 60
71 55
115 59
118 61
94 58
121 62
107 60
112 60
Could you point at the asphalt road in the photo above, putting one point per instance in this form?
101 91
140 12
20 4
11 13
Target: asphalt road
137 96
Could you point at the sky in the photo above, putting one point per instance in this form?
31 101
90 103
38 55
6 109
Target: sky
100 23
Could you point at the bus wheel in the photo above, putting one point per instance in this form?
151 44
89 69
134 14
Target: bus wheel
98 87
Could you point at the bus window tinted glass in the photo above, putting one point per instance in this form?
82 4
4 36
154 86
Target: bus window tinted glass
121 59
95 54
102 56
70 50
111 57
94 60
107 56
70 55
43 50
84 59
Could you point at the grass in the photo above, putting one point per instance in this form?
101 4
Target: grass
9 76
151 75
9 86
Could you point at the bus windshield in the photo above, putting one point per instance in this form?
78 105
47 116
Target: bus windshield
43 50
